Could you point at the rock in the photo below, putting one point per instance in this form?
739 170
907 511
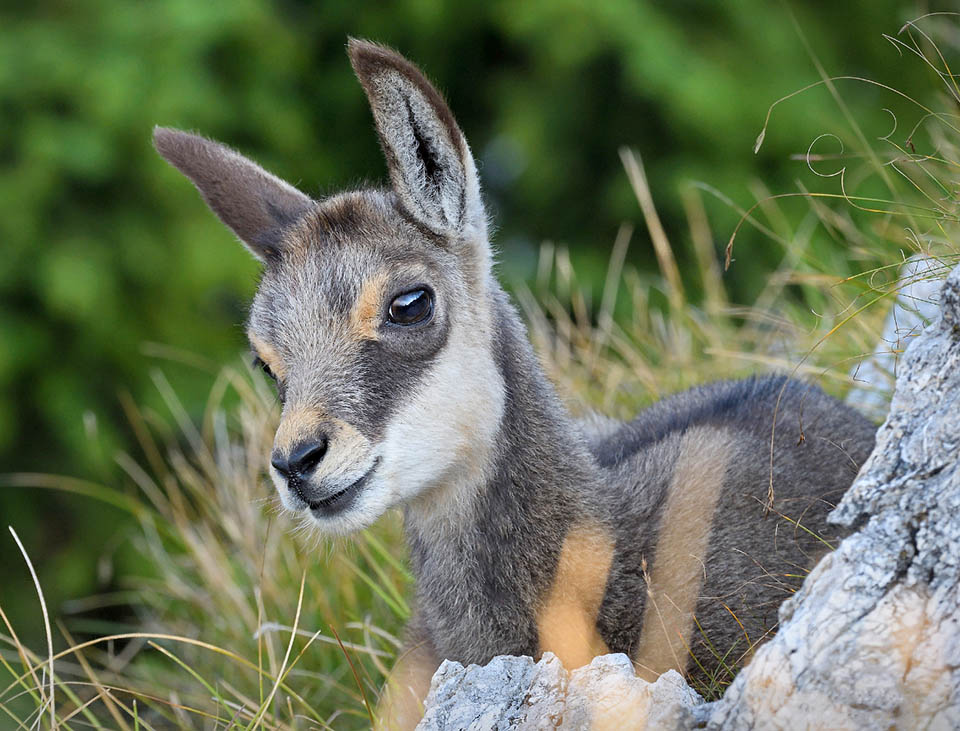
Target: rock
606 694
915 307
516 693
871 640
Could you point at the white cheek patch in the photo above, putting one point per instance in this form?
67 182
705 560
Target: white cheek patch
444 434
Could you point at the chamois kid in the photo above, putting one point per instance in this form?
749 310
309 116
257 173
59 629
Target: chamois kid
407 380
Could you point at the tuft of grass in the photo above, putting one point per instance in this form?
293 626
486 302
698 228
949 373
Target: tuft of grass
821 311
240 625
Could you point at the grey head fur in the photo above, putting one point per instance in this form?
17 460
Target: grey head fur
367 388
528 531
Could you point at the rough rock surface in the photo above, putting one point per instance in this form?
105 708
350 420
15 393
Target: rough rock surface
872 639
516 693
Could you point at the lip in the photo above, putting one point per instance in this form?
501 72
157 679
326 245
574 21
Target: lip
340 501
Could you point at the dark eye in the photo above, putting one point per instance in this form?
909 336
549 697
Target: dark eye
411 307
258 363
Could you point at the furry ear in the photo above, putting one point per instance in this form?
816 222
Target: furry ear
430 165
256 205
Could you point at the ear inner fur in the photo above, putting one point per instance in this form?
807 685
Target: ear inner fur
430 165
371 59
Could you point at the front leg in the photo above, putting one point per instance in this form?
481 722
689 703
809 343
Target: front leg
401 702
567 620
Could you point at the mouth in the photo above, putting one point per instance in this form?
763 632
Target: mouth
340 501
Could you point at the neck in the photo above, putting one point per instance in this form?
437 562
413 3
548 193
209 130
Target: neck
536 454
499 536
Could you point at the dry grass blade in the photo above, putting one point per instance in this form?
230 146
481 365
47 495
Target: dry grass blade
356 676
715 296
46 625
661 244
101 694
30 673
286 658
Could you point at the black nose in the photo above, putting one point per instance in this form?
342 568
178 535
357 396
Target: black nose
302 459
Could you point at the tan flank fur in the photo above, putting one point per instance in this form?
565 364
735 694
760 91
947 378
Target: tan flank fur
567 623
674 586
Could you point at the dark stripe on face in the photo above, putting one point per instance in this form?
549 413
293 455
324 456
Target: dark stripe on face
391 369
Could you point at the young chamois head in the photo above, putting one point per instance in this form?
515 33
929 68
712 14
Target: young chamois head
374 312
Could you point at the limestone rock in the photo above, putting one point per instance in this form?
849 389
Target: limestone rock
516 693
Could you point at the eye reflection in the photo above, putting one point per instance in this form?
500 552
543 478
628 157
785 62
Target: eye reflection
411 307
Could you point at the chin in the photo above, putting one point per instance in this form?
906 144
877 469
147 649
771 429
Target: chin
345 508
363 510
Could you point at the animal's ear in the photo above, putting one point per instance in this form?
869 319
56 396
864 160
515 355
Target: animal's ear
430 165
256 205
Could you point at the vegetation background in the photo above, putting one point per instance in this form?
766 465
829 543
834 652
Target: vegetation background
115 276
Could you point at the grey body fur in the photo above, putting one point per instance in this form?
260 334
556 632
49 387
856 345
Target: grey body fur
451 419
552 472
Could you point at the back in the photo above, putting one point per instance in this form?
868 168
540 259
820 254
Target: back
690 480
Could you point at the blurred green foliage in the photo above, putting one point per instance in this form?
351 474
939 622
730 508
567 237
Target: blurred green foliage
106 250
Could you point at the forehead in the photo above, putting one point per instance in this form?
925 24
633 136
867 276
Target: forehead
337 253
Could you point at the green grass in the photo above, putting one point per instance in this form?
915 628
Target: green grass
245 620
